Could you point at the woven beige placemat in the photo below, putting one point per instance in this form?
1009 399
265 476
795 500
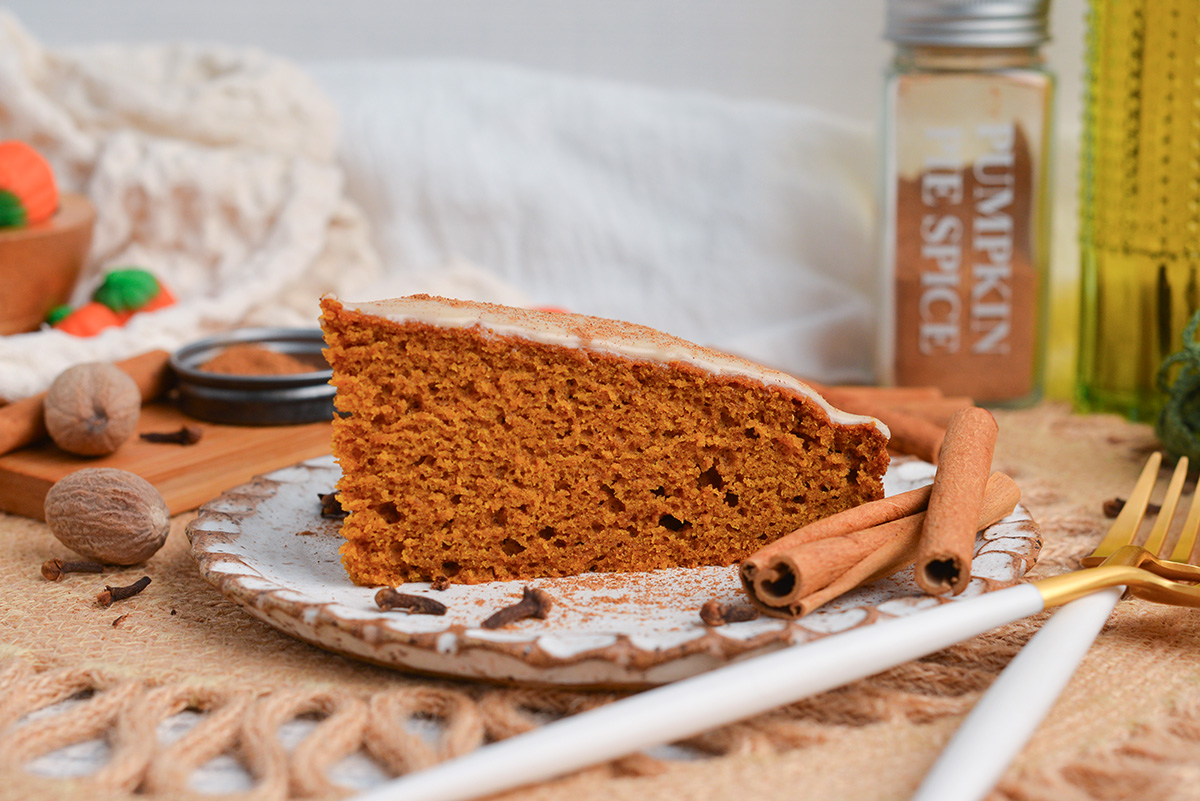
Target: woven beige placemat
1127 727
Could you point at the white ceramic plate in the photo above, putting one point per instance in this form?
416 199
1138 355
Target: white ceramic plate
265 546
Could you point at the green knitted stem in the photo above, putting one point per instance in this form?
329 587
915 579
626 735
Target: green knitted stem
12 210
1178 426
58 314
127 289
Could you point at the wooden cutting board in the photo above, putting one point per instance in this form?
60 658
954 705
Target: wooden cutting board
186 475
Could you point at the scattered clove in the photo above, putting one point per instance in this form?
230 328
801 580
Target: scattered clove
1113 506
388 599
119 620
440 583
55 569
715 613
112 594
186 435
533 603
331 507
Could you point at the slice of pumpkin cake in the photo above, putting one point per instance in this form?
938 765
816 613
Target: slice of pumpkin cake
482 442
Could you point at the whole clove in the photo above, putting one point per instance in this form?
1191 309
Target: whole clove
534 603
109 595
331 507
715 613
186 435
55 569
388 599
1113 506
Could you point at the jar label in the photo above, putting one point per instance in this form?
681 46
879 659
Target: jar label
966 263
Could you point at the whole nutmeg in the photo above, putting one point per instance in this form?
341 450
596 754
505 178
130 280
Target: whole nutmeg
90 409
109 515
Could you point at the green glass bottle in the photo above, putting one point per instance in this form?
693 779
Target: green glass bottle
1139 199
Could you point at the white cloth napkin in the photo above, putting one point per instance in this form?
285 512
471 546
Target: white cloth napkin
748 226
251 186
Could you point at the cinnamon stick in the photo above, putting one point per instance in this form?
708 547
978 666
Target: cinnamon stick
21 422
917 416
797 574
846 394
935 410
910 434
899 550
786 570
947 544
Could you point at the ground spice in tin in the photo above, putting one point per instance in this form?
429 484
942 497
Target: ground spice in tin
249 359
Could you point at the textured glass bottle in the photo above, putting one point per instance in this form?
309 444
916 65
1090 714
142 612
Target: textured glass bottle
1139 198
968 117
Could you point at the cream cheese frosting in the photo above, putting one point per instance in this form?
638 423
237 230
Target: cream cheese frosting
597 334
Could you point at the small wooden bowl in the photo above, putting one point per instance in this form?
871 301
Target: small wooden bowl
40 263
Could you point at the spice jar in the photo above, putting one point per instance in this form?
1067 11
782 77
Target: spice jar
968 116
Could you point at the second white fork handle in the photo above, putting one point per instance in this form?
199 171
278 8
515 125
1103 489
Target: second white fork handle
1017 702
690 706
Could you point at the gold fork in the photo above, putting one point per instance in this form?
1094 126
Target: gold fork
740 689
1020 698
1118 562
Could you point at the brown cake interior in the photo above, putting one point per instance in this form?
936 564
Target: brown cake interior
483 457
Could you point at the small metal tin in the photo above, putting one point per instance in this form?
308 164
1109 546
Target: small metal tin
256 400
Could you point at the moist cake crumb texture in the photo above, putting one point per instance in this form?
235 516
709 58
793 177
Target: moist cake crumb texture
480 457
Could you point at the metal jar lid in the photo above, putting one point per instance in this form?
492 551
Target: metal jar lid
968 23
256 399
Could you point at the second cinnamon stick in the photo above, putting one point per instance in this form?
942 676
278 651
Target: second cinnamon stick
899 547
911 434
21 422
789 568
947 545
796 578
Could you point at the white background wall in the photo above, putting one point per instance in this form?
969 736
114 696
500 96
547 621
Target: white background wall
826 53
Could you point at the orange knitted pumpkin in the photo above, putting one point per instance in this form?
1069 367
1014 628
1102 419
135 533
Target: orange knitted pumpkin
89 319
28 177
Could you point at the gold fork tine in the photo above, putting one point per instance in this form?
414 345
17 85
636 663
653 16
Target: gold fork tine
1158 535
1161 579
1125 527
1187 536
1152 557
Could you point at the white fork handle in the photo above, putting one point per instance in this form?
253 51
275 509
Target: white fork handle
1019 699
694 705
